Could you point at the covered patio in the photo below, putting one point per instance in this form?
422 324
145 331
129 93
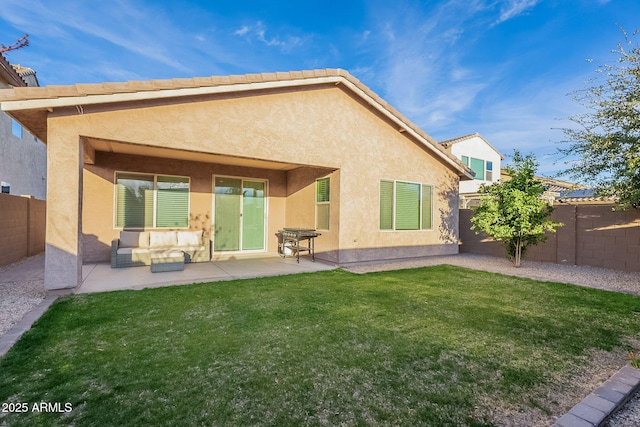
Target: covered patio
100 277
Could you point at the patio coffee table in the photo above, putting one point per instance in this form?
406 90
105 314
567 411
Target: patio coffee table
163 263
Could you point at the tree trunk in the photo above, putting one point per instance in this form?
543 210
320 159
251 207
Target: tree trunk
518 252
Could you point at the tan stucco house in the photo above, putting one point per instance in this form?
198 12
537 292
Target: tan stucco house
247 156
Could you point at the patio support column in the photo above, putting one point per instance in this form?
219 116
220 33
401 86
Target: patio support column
63 252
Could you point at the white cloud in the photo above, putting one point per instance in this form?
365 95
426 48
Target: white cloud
512 8
241 31
258 31
151 37
417 61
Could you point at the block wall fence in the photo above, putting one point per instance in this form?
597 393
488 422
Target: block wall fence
592 235
22 227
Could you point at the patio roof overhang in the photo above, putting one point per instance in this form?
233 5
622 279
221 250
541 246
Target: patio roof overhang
91 145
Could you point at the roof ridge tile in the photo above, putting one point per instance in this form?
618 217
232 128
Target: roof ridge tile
184 82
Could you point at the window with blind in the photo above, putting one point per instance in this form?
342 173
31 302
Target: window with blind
151 201
323 203
405 205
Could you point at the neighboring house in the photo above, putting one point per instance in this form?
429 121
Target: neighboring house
23 158
563 192
239 157
482 158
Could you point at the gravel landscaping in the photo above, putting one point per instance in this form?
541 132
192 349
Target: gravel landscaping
22 288
601 278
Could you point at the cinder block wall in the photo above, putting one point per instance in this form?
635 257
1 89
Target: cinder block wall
37 226
593 235
22 227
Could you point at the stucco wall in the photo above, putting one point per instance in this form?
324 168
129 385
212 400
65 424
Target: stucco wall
324 128
23 161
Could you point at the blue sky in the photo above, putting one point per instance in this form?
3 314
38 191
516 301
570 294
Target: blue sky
503 68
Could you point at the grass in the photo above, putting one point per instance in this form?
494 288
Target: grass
428 346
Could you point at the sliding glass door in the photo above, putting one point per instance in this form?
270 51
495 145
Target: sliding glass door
239 214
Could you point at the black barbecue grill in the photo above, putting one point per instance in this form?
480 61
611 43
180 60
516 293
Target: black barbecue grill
290 238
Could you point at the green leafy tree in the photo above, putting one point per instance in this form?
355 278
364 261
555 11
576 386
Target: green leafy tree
513 211
606 140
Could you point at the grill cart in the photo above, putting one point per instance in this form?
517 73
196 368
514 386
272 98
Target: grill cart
290 239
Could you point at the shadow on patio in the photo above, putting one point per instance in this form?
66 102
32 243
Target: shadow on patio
102 278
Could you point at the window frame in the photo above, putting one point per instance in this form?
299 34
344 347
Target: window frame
154 225
323 203
394 211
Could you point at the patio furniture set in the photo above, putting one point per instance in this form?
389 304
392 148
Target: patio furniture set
169 250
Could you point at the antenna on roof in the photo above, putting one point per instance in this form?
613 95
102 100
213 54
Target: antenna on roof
20 43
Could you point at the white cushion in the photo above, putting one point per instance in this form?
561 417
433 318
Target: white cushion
158 239
189 238
134 239
143 241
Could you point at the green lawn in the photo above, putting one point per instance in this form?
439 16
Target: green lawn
427 346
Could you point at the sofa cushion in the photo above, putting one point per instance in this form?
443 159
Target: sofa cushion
190 238
134 239
143 241
159 239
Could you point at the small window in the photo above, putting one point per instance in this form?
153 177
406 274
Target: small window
16 129
5 187
489 171
465 160
323 203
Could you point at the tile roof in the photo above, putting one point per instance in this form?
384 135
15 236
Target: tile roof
9 74
40 98
109 88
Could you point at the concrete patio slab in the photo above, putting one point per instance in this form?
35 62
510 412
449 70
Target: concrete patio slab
103 278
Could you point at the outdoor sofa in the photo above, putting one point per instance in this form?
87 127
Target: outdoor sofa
136 248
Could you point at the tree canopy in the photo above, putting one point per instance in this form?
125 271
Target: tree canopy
606 141
513 211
